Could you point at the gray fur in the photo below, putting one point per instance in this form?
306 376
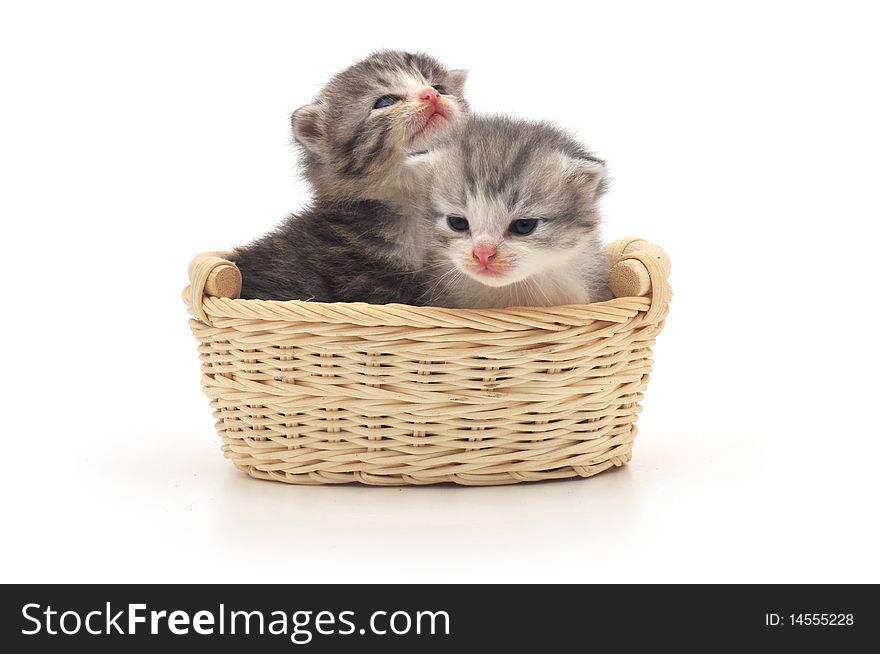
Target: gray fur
493 171
358 241
351 150
333 253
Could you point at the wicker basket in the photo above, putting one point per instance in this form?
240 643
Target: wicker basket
314 393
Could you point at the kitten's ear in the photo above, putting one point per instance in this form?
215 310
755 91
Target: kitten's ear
587 174
307 127
456 78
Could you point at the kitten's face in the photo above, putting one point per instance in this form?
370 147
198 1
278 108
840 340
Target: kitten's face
511 200
372 114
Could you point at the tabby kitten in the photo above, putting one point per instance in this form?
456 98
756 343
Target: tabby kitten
514 214
358 241
357 134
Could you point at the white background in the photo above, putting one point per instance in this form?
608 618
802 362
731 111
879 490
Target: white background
743 140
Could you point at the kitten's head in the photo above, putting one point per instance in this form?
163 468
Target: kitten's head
511 199
367 118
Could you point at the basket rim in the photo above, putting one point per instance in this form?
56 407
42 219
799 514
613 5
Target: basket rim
618 310
208 301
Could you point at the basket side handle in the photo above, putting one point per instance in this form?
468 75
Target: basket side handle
211 274
640 269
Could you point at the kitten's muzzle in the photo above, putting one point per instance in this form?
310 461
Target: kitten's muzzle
485 254
429 116
486 265
430 95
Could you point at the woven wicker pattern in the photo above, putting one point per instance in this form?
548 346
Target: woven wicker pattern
314 393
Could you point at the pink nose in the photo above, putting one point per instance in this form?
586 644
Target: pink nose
430 95
485 254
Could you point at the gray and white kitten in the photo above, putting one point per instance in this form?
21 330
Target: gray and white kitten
514 218
358 242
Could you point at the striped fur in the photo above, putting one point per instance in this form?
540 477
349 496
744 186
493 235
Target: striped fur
358 241
353 252
351 150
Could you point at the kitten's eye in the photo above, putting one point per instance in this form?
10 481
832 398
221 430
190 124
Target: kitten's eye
441 89
457 223
524 226
386 101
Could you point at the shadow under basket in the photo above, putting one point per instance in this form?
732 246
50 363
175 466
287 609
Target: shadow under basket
318 393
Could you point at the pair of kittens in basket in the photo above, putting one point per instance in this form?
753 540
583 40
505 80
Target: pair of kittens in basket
418 201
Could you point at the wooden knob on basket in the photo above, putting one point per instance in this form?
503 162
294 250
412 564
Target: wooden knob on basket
630 276
224 281
211 274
